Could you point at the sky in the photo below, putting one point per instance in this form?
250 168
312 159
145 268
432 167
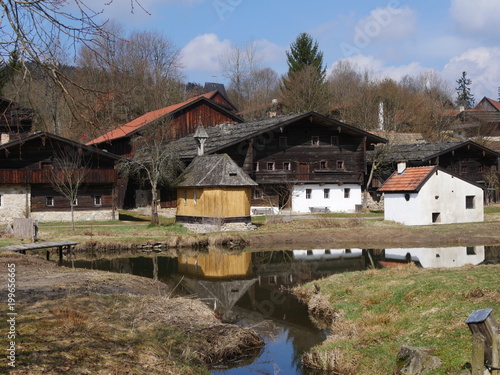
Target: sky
389 38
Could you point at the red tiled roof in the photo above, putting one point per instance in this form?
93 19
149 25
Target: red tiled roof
410 180
140 121
494 103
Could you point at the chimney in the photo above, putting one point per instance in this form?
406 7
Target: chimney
381 115
200 136
401 167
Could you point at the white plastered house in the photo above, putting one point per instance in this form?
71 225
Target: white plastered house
431 195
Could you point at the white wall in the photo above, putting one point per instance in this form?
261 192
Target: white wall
440 257
400 210
335 203
14 202
441 193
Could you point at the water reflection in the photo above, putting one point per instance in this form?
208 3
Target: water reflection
253 288
443 257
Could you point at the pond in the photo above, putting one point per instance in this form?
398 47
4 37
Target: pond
253 289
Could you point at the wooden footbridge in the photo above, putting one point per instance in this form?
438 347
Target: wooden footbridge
60 245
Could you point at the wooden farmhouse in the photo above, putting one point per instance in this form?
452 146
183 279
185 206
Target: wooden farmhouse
481 121
431 195
467 159
213 190
302 162
210 109
33 168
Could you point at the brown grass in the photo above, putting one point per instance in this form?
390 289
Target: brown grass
334 360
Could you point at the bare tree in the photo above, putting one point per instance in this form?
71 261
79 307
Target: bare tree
68 174
305 91
128 75
238 64
155 161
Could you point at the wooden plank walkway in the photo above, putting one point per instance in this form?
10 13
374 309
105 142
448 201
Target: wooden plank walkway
40 245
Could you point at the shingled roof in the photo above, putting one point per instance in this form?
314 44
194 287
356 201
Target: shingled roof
214 170
225 135
428 151
410 180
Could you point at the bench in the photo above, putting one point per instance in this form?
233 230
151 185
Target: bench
263 211
319 209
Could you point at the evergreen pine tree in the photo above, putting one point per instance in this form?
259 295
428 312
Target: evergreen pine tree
464 96
304 51
8 70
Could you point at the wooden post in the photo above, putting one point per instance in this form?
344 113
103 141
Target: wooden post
486 344
60 254
48 254
495 352
477 354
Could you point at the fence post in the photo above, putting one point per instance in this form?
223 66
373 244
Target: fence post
486 342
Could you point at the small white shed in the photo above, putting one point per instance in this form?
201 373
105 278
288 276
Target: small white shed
431 195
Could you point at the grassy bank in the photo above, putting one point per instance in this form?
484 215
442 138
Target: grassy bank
378 311
279 232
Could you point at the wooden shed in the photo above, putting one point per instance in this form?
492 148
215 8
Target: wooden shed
214 190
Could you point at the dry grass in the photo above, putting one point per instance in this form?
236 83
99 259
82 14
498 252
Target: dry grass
335 360
380 310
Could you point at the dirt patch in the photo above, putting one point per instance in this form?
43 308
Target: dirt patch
95 322
379 236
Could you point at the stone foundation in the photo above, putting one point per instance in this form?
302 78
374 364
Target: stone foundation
14 202
51 216
227 227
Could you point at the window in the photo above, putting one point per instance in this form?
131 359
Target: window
256 166
463 169
49 201
347 193
75 202
436 217
308 193
340 164
46 165
469 202
185 196
282 142
315 140
479 169
194 196
0 201
326 193
334 140
258 194
322 164
270 166
273 279
97 200
287 166
471 250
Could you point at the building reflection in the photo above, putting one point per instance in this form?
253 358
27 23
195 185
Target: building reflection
442 257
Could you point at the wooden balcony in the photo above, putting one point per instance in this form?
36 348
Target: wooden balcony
46 176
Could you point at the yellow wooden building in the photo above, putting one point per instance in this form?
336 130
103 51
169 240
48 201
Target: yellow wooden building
214 190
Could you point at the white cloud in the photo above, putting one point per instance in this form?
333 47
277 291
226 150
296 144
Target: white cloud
202 53
269 51
478 16
379 70
388 24
482 67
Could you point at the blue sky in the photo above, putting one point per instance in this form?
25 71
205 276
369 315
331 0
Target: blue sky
390 38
